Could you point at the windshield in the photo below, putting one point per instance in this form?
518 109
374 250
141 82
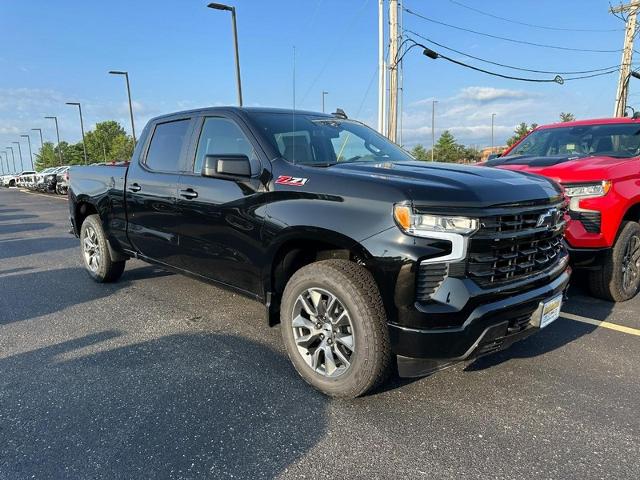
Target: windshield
322 141
621 140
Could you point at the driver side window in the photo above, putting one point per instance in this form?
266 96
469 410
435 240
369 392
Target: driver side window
221 136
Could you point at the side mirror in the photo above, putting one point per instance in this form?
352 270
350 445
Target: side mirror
230 165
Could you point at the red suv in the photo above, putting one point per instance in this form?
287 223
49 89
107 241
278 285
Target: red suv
598 163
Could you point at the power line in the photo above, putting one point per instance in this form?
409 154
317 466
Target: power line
435 55
558 79
522 69
523 42
533 25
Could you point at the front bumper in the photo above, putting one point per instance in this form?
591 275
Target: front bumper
489 327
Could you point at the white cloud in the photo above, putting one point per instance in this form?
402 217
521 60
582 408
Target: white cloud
489 94
467 114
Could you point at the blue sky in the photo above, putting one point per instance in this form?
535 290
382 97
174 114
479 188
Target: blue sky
179 55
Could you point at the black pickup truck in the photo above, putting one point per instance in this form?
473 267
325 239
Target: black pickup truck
369 259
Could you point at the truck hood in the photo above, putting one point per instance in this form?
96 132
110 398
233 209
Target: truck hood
563 169
433 183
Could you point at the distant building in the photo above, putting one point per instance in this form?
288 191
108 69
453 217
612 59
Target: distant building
485 152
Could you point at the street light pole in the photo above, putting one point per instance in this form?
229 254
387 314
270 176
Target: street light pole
39 130
126 76
5 154
30 151
323 94
433 127
20 154
55 119
13 156
493 116
84 146
220 6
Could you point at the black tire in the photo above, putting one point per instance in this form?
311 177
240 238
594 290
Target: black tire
104 269
608 283
354 287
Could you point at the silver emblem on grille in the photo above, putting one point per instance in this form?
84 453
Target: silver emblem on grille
548 219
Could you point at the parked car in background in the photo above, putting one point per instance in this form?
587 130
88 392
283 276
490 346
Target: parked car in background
62 180
13 179
39 185
598 163
364 255
51 179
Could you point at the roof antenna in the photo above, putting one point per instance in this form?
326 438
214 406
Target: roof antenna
340 113
293 116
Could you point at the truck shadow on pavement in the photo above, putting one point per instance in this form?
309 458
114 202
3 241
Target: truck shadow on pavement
24 227
29 246
21 217
180 406
555 336
58 289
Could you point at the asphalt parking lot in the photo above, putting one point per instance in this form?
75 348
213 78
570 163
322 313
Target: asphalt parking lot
161 376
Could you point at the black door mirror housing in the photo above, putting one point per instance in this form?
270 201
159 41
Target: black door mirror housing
227 165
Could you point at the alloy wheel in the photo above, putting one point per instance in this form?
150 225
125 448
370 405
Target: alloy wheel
631 264
91 249
323 332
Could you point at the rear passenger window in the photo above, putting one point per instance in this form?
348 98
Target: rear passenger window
166 146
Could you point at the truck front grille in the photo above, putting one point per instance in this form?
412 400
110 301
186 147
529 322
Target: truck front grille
590 220
511 247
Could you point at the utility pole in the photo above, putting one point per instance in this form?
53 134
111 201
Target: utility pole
392 132
381 68
433 127
622 92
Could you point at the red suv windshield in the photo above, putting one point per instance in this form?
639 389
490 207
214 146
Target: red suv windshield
620 140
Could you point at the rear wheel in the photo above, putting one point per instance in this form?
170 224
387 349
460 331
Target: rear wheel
619 278
334 328
95 252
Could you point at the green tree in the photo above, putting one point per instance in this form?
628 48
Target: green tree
46 157
122 148
420 153
108 142
470 154
520 131
567 117
447 149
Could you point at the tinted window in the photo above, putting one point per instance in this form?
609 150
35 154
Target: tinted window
611 140
166 145
221 136
325 140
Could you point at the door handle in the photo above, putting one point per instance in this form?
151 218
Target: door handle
135 187
189 193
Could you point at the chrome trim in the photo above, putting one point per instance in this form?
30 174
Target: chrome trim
459 244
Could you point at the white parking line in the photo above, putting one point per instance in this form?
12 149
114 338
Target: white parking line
44 195
598 323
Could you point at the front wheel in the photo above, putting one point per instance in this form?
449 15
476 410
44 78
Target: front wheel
95 252
334 328
619 278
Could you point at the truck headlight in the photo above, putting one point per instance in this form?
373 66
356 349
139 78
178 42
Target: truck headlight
595 189
421 225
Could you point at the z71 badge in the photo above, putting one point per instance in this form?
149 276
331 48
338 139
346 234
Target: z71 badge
294 181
